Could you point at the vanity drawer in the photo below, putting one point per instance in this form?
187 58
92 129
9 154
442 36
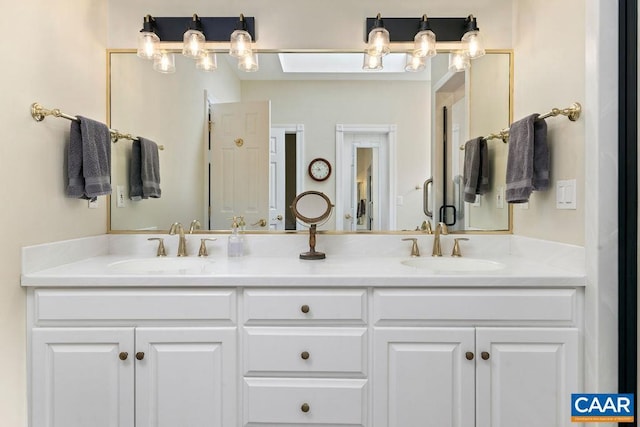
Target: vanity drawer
134 304
548 305
307 305
328 402
305 350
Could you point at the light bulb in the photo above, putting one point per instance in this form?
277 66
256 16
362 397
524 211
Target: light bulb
147 44
424 43
240 44
474 46
371 63
164 62
248 63
193 44
378 42
207 62
415 63
458 61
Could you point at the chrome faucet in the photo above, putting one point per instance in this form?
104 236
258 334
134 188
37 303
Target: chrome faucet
441 228
182 243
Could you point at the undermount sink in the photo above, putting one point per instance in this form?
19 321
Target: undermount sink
453 265
162 265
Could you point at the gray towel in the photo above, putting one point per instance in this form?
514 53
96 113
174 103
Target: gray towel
144 177
528 161
89 159
476 169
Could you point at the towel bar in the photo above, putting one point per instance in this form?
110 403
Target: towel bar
572 113
38 112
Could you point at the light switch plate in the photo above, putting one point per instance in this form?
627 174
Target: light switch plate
566 194
93 204
500 198
120 203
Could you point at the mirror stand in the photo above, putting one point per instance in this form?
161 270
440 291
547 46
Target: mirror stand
312 254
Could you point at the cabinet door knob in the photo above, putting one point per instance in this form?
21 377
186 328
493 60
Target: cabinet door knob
485 355
305 407
304 308
469 355
140 355
123 355
304 355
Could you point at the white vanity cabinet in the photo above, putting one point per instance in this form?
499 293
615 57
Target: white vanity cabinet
305 355
438 359
133 358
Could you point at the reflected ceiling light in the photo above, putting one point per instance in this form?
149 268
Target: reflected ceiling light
193 41
472 39
459 61
371 62
424 43
415 63
207 61
248 63
164 62
240 40
378 39
148 40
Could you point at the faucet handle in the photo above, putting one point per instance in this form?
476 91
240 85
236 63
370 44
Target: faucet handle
161 250
426 227
203 246
195 225
415 252
456 247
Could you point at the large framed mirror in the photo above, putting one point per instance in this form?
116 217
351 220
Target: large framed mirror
238 143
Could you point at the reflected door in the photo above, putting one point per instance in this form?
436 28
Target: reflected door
240 163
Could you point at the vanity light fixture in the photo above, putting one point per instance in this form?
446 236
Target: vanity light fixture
164 62
159 35
193 41
472 39
461 34
424 43
207 61
378 39
148 40
240 40
371 63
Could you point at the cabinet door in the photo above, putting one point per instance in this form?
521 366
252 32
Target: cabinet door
422 377
526 377
79 379
186 377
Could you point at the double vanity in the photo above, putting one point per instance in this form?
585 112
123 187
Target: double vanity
368 336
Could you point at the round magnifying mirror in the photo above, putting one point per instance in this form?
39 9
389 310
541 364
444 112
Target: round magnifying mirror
312 208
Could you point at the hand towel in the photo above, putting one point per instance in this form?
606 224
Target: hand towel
144 178
476 169
528 160
89 161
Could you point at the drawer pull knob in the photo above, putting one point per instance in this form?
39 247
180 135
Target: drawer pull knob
140 355
485 355
304 308
123 355
304 355
305 407
469 355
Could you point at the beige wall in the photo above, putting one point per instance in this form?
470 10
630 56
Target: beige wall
60 63
550 72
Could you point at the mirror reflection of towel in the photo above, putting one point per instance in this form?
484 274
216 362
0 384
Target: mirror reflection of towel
476 169
362 208
144 178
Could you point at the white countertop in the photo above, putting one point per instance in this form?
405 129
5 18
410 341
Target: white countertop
352 260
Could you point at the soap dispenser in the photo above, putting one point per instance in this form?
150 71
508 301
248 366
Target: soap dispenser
235 247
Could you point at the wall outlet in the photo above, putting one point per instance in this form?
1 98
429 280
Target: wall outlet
120 202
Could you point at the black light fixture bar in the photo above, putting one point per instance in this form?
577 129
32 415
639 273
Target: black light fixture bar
215 29
405 29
